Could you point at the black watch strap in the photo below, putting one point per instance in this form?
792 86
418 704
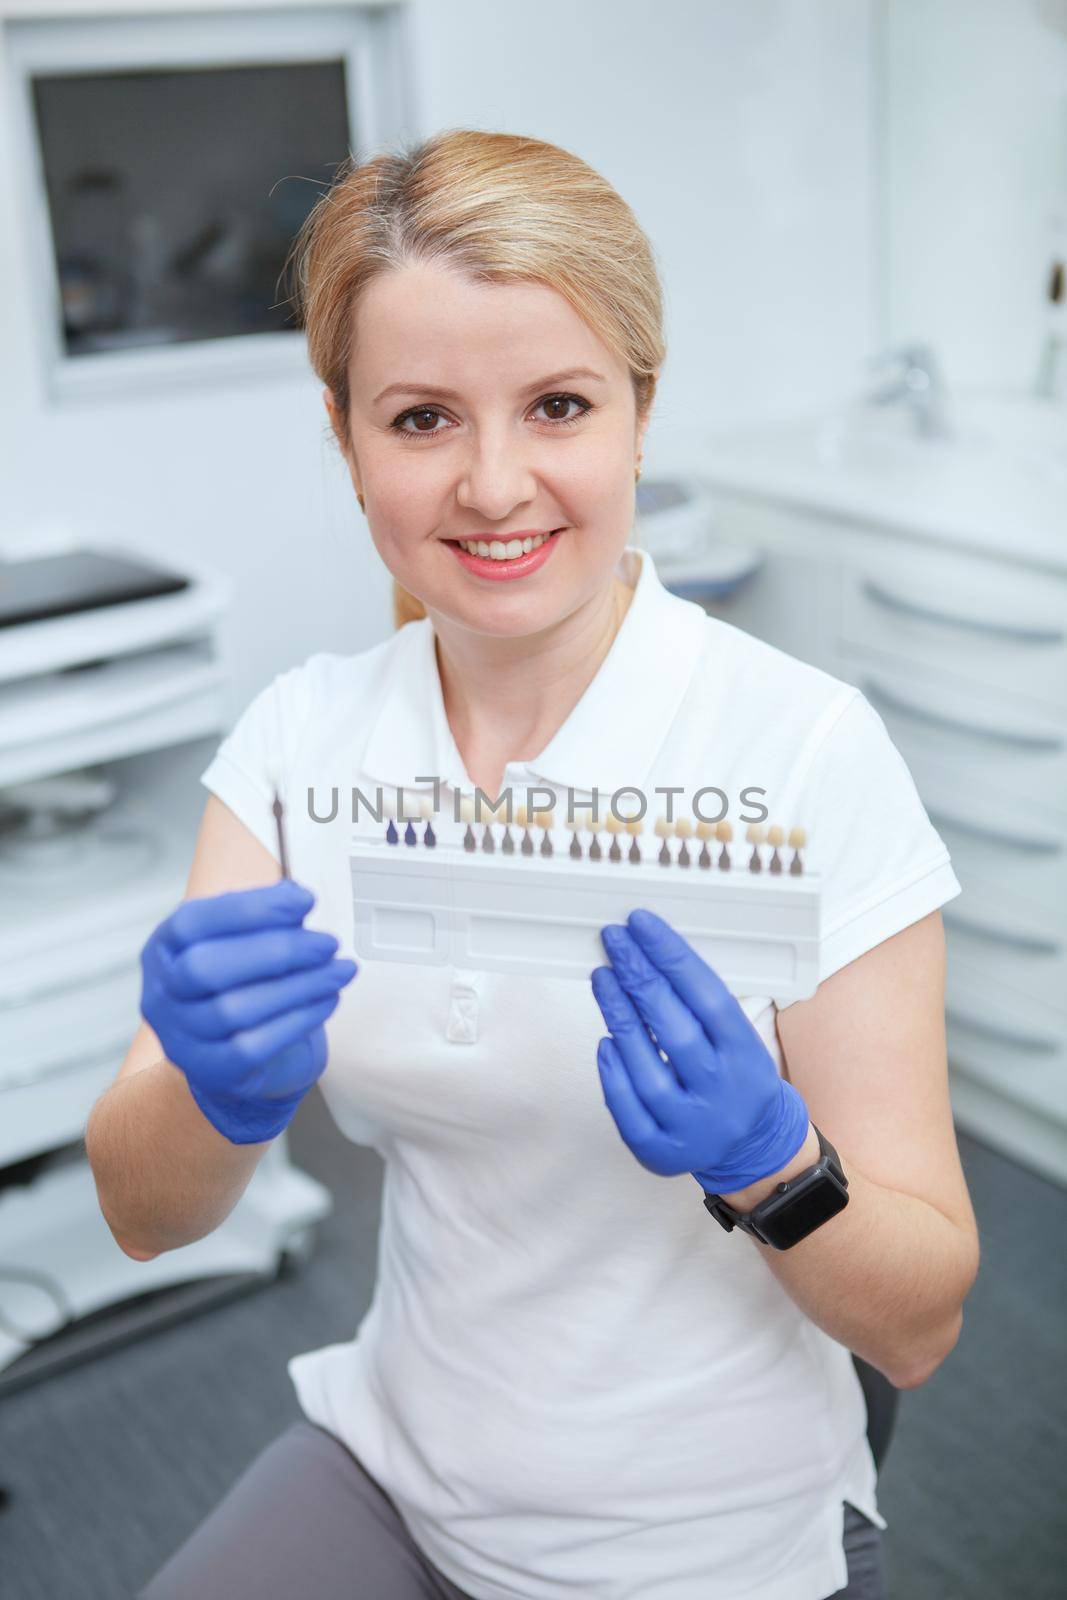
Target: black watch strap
797 1206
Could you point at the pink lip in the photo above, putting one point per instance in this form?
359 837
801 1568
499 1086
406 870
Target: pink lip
502 571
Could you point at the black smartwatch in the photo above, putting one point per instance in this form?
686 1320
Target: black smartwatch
796 1208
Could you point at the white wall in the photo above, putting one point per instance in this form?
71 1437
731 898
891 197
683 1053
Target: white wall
976 170
740 135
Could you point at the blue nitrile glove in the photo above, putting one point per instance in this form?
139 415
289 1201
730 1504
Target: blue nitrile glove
237 992
717 1107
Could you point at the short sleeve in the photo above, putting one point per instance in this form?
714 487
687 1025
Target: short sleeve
881 861
252 759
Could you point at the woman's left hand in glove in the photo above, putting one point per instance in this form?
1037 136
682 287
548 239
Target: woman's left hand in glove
717 1107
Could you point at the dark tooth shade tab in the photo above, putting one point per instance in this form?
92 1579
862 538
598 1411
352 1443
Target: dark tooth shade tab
409 834
664 857
391 836
507 843
488 842
614 854
429 838
704 859
468 839
595 851
575 851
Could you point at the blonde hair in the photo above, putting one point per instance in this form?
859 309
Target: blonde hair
501 208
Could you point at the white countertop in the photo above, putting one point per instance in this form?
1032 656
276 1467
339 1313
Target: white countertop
998 487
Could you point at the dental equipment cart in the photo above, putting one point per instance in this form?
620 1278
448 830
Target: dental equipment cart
110 670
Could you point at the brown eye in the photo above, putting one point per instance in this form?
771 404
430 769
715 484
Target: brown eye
566 401
431 416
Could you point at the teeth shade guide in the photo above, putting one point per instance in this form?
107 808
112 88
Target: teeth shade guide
767 844
476 903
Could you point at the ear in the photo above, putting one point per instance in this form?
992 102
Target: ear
643 422
343 442
335 420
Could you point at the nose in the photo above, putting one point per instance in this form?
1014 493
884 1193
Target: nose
496 475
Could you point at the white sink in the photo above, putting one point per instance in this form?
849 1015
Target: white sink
987 438
998 483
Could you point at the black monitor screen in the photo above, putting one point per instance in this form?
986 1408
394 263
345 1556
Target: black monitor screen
174 195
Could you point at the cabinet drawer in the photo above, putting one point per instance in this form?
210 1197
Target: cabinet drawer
1013 950
1017 850
57 1033
1022 862
1015 759
980 622
1015 1046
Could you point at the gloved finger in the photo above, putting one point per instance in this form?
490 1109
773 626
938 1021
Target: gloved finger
236 1010
294 1069
253 1048
678 1031
211 966
653 1079
238 911
217 1070
632 1118
698 984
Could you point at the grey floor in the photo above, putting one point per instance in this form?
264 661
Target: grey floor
110 1465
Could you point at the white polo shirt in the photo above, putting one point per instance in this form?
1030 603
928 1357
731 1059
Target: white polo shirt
570 1379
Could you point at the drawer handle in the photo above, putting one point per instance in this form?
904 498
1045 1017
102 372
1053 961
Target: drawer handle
940 719
1031 942
1033 1044
1006 630
979 830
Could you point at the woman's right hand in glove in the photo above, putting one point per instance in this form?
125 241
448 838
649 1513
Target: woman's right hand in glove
237 992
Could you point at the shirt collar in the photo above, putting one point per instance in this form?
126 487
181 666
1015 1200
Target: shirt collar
610 739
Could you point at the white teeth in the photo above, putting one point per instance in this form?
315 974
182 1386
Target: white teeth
498 550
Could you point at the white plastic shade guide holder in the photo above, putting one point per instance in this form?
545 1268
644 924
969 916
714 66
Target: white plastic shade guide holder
514 913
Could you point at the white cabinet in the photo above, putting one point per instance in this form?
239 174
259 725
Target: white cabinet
965 658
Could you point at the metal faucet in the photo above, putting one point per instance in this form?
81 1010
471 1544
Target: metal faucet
918 383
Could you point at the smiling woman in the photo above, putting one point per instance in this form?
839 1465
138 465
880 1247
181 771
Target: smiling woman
570 1379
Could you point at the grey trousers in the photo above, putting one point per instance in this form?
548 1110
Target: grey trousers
304 1518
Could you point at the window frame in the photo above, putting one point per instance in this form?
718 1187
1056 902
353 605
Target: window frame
369 38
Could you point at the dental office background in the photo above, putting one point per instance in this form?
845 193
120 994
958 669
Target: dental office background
859 452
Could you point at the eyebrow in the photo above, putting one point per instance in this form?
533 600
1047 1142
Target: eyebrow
429 389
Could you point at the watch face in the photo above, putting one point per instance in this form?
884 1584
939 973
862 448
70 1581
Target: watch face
803 1210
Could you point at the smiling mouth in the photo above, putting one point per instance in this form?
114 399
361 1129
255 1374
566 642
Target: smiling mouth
504 549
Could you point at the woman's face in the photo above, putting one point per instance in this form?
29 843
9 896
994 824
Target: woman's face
469 420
